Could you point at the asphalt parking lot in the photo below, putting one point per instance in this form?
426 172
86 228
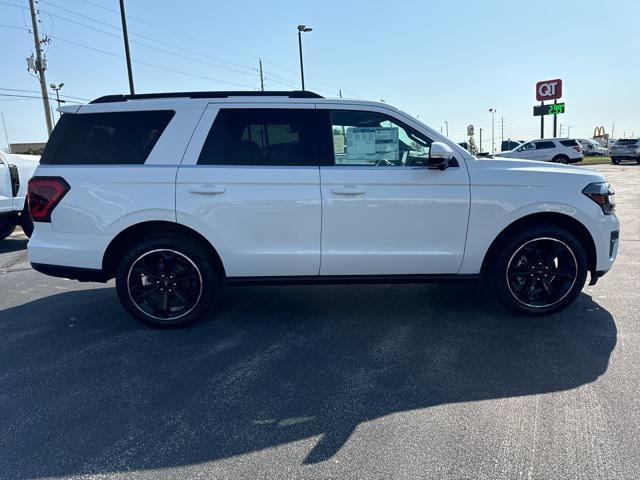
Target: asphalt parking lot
388 381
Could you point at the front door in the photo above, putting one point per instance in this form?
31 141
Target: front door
384 212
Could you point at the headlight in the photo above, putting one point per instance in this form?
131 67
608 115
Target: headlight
602 193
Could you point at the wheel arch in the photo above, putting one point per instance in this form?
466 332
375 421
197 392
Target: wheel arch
559 220
123 241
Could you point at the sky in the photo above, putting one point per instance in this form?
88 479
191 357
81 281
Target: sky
447 62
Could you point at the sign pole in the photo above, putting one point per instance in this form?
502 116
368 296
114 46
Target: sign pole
555 122
542 123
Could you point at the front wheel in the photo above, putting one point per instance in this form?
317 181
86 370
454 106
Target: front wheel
615 161
167 281
539 270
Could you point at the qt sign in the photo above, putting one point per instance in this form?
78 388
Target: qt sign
548 90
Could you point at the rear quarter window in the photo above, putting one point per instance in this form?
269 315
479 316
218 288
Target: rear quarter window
113 138
569 143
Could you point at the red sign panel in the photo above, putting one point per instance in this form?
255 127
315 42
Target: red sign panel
549 90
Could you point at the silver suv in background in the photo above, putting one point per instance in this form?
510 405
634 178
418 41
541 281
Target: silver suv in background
559 150
625 149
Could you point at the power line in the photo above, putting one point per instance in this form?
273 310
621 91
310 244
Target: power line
36 91
151 64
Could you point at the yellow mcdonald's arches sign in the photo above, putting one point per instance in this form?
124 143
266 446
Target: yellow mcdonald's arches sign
599 132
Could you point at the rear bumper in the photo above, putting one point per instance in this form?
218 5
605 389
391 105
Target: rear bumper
72 273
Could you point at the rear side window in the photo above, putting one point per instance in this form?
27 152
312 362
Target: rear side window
543 145
569 143
268 137
114 138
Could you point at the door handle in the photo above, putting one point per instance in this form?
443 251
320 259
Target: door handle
206 190
348 190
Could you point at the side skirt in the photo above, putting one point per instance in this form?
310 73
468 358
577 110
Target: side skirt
349 279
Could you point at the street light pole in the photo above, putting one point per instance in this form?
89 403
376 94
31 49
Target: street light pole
302 28
493 141
56 88
126 47
447 125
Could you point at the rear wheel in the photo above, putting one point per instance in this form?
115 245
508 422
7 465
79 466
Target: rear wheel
167 281
615 161
539 270
560 159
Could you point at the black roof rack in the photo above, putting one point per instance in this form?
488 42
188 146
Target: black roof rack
252 93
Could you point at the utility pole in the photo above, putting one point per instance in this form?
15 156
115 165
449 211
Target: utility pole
126 47
613 129
501 132
6 134
481 140
447 125
261 75
40 68
340 93
569 131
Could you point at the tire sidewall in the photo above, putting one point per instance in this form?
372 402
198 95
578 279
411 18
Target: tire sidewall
495 276
192 250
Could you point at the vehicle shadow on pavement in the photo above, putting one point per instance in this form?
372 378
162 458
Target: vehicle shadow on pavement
13 244
86 390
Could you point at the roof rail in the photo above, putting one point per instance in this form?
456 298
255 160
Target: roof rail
147 96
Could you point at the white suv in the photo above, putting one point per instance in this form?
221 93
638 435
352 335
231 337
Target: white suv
559 150
176 195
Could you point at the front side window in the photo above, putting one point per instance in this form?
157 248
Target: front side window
268 137
114 138
362 138
527 146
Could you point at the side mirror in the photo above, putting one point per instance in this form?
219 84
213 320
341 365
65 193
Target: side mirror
440 154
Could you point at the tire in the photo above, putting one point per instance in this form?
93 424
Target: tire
530 278
6 230
26 223
615 161
560 159
187 283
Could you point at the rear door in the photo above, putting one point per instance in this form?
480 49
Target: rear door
250 184
384 212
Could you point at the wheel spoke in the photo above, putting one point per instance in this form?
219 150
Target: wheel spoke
548 288
564 274
519 273
146 291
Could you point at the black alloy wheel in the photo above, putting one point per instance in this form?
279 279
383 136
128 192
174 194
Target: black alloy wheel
168 280
164 284
542 272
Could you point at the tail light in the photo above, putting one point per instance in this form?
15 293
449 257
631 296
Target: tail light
44 194
578 148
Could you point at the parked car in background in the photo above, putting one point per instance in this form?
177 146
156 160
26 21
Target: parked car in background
625 149
178 194
559 150
15 172
591 147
